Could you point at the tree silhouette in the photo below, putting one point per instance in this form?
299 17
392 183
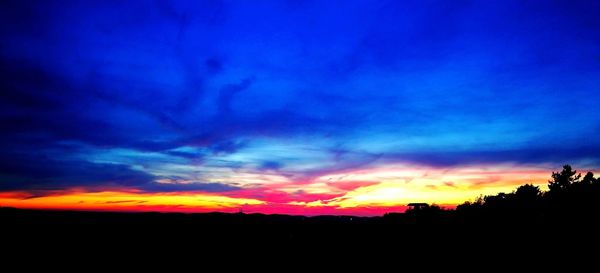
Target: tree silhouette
563 180
528 192
588 179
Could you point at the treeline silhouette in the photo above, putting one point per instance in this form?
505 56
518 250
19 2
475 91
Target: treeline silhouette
571 199
569 206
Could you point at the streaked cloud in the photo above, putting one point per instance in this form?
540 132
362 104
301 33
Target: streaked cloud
345 107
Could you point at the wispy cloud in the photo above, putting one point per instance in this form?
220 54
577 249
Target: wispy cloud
322 102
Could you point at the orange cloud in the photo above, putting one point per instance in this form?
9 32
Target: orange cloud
371 191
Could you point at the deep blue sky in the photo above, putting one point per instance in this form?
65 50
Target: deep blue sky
127 93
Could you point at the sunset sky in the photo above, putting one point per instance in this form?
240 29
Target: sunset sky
296 107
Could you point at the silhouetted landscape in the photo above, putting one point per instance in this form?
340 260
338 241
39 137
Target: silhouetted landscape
180 126
568 210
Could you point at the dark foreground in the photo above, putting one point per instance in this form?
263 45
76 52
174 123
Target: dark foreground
561 221
414 227
424 239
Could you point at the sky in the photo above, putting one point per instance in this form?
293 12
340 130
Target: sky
296 107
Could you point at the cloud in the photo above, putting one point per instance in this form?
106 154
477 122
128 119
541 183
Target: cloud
270 165
227 92
189 187
43 175
201 87
39 172
546 155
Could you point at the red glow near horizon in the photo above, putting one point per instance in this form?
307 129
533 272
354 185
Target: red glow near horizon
359 192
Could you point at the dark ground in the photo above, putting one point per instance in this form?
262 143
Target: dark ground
556 225
216 228
53 239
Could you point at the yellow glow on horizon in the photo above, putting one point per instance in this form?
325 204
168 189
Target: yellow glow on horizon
125 200
381 186
393 194
401 185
